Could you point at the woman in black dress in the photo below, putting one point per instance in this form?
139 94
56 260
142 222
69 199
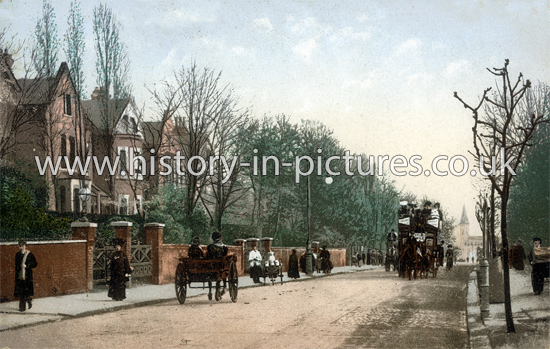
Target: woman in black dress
120 268
293 271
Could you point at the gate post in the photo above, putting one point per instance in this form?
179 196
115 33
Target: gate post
244 260
86 231
122 231
153 237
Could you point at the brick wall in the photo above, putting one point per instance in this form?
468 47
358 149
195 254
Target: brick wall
61 268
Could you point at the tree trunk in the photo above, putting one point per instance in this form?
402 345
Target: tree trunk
507 298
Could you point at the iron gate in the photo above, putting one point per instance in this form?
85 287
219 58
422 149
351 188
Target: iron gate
140 259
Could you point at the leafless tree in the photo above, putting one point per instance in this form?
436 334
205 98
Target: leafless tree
510 128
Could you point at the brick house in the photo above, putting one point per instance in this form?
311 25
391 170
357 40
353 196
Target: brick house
116 133
47 122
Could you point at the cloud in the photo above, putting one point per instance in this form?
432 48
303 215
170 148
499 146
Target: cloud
419 79
179 17
350 33
456 67
410 45
262 24
305 49
310 26
239 50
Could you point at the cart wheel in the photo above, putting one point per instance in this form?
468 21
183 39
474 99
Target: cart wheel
181 283
233 281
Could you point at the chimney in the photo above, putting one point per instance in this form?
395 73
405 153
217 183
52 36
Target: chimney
96 94
7 58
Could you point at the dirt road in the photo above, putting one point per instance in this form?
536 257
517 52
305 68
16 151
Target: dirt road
371 309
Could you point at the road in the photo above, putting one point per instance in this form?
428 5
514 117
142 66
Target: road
370 309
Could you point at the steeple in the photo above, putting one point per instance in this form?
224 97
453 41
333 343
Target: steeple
464 219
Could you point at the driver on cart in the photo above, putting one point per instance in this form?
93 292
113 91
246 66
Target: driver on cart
195 251
216 249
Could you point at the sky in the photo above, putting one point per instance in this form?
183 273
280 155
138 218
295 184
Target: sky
380 74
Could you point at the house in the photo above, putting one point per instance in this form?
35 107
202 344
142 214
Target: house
47 126
116 138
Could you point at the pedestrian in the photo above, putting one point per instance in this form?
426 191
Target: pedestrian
358 259
364 258
539 266
293 271
195 251
255 260
24 288
368 256
517 256
216 249
326 263
450 257
120 271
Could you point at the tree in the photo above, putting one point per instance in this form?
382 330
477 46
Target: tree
530 194
511 128
45 57
112 69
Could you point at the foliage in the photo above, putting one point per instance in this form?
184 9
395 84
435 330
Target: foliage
22 209
168 207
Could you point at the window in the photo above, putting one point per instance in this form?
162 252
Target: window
68 107
123 156
62 199
76 201
125 124
137 205
63 150
123 204
72 149
134 126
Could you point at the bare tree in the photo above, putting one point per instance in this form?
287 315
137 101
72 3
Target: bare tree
511 128
205 102
112 69
226 142
45 58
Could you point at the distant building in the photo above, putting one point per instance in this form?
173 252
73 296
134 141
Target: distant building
467 244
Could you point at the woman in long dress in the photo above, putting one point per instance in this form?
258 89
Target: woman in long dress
120 268
293 271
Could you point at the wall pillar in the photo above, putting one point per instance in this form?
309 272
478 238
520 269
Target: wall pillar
122 231
86 231
240 243
265 247
315 247
154 237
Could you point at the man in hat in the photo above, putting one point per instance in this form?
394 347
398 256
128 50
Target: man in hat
255 260
24 263
216 249
427 210
120 269
540 268
195 251
325 258
450 257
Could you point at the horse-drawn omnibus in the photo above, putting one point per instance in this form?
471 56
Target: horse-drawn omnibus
417 244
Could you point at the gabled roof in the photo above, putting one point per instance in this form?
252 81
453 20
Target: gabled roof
41 90
105 117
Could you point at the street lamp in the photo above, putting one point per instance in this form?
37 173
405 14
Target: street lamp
84 194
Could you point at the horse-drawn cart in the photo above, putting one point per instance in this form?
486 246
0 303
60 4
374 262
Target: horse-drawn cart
207 270
272 272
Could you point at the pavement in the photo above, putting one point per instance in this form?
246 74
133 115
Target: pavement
530 312
531 316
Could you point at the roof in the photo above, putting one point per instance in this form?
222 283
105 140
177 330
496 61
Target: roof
464 220
39 90
100 119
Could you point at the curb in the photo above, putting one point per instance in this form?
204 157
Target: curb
478 335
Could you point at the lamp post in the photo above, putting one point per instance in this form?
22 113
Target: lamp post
309 252
84 195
